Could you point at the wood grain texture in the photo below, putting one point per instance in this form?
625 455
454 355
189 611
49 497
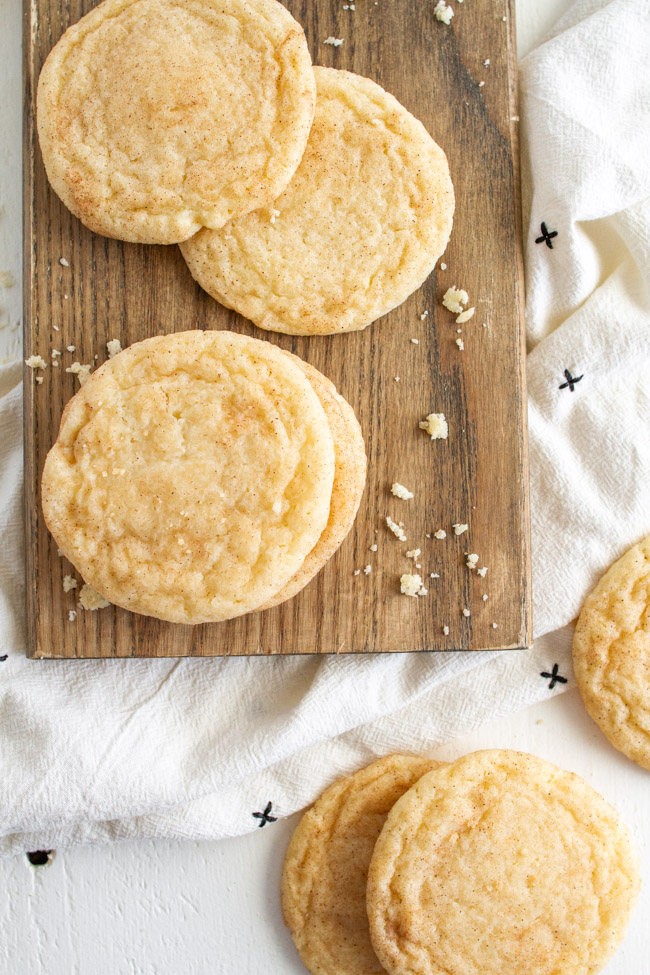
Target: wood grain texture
479 476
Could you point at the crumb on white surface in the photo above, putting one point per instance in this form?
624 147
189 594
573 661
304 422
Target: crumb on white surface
435 425
443 12
113 347
89 599
396 529
333 41
401 492
69 582
63 261
410 585
465 316
459 528
81 370
441 533
460 344
454 299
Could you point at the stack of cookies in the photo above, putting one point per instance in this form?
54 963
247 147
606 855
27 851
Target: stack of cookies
496 864
307 199
202 475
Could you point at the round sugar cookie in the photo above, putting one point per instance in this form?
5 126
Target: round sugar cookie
325 869
191 476
611 654
500 864
349 480
159 117
360 226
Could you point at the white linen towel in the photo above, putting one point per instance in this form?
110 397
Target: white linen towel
102 750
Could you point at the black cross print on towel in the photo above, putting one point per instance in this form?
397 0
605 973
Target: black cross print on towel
265 817
547 236
554 677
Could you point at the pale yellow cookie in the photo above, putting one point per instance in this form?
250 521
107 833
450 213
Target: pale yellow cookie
360 226
500 864
159 117
191 477
349 481
611 653
325 869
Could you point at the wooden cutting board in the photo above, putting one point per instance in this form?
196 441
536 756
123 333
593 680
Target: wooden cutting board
110 289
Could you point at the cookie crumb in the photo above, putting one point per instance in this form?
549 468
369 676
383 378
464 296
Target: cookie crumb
72 615
459 528
413 553
445 630
401 492
333 41
82 371
415 341
357 572
396 529
373 548
89 599
454 299
466 612
63 262
465 316
495 626
443 267
486 63
367 570
460 344
435 425
113 347
434 575
36 362
484 597
441 533
482 572
443 12
481 84
425 314
396 379
410 585
69 582
472 559
39 379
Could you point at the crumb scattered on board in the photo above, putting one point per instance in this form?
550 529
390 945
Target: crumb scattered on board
36 362
459 528
81 370
396 529
69 582
401 492
443 12
435 425
89 599
411 585
333 41
113 347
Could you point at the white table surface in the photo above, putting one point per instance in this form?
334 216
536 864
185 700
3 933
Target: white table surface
166 908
